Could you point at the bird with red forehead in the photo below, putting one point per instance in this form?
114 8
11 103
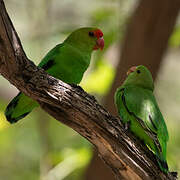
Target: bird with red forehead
66 61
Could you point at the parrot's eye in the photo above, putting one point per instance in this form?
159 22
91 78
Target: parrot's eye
91 34
138 71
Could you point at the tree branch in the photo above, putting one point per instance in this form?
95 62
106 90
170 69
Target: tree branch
123 153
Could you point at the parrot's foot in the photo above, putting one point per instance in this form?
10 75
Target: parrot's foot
127 125
77 86
175 174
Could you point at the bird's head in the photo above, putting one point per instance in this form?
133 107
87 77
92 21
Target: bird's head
86 39
139 76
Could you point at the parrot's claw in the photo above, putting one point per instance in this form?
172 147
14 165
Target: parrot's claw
127 125
73 85
174 174
77 86
80 88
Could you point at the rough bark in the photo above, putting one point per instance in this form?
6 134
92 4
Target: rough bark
124 154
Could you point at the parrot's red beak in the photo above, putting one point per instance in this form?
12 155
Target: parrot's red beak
132 69
100 41
99 44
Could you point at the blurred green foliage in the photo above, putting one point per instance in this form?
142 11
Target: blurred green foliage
175 38
39 147
99 81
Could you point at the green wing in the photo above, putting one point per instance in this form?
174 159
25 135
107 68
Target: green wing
138 106
137 125
122 111
66 63
51 55
143 104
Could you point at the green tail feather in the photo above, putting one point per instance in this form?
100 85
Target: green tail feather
163 165
161 159
19 107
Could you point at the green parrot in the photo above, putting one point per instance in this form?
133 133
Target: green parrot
66 61
140 113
